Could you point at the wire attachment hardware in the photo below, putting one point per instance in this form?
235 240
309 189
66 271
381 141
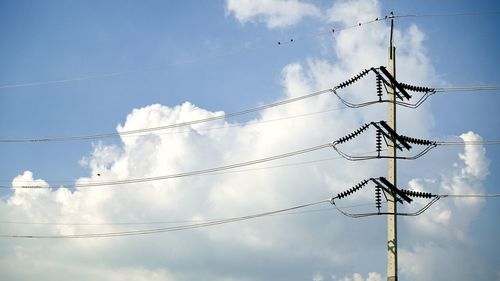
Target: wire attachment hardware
383 185
353 79
379 87
417 88
395 84
378 142
383 80
419 194
352 189
378 197
353 134
385 132
418 141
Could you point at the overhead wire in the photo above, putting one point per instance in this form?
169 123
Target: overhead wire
169 126
74 79
247 124
434 199
243 50
387 17
178 175
237 113
469 195
183 124
67 183
416 156
410 214
422 98
402 88
145 130
218 55
398 140
164 229
403 140
126 133
215 222
332 31
468 88
238 125
226 53
223 169
159 222
459 14
222 221
481 142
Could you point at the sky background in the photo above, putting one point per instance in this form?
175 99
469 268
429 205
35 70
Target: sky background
86 67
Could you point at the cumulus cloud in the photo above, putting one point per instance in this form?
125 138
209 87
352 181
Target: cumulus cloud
303 246
476 164
275 13
353 12
442 230
372 276
26 179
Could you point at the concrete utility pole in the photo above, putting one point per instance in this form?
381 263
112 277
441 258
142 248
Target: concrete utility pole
392 237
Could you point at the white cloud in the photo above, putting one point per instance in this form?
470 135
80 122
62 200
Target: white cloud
476 164
354 12
372 276
26 180
318 277
275 13
442 231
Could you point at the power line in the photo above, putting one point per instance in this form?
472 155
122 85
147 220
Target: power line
467 89
300 163
337 29
223 169
228 115
214 222
180 175
469 195
65 182
386 133
420 211
252 123
170 221
148 69
165 229
402 89
238 125
459 14
363 215
229 53
483 142
390 16
170 126
187 123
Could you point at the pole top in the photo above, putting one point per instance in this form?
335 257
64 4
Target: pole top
391 45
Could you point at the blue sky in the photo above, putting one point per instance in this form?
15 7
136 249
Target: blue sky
133 54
